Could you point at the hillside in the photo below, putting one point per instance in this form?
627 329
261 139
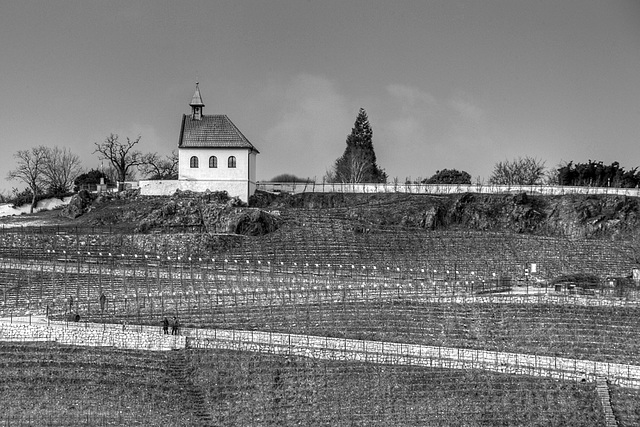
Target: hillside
447 272
572 216
575 216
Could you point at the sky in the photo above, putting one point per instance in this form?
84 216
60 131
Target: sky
448 84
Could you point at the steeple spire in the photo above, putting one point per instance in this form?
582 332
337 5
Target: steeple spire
196 104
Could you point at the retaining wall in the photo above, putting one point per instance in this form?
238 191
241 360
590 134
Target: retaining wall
415 355
81 334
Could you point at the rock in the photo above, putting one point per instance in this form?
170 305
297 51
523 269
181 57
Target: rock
430 218
255 222
78 205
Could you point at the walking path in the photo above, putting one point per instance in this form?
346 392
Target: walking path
38 328
602 387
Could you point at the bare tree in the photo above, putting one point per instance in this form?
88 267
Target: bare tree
352 167
60 168
359 167
156 167
521 171
30 170
122 156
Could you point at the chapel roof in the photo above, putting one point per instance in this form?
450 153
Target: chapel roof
211 131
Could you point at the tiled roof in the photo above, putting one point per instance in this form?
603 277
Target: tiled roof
215 131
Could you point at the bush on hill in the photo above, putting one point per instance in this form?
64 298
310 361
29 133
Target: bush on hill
449 176
287 177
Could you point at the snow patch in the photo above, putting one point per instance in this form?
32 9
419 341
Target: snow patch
43 205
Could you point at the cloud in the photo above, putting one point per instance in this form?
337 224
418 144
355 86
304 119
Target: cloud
467 109
421 134
312 122
412 97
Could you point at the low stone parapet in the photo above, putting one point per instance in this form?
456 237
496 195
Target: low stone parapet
80 334
416 355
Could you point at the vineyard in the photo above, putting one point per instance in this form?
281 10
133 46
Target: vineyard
324 273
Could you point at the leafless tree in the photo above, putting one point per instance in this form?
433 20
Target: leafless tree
30 170
60 168
156 167
121 155
353 167
521 171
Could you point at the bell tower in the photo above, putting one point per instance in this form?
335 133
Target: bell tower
196 104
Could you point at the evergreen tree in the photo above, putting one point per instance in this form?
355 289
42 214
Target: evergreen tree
358 163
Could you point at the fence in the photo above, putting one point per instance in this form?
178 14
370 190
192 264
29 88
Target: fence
550 190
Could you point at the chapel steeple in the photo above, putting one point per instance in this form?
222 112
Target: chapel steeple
196 104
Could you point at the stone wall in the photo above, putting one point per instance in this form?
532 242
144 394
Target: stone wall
234 188
82 335
415 355
317 347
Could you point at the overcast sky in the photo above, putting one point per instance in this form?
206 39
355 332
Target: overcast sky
446 84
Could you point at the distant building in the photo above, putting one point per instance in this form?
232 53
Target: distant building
212 155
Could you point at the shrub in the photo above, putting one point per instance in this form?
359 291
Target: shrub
287 177
23 197
90 178
449 176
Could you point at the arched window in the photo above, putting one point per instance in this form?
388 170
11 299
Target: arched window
193 162
232 161
213 162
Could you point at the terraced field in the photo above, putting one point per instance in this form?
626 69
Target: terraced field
324 273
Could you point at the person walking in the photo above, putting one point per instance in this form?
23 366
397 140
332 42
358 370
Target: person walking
165 326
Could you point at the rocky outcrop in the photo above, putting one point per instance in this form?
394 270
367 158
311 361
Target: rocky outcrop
212 212
78 205
573 216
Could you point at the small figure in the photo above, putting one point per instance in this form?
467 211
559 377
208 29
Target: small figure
174 326
165 326
103 302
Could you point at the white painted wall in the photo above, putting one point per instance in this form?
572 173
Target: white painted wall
241 189
237 182
222 172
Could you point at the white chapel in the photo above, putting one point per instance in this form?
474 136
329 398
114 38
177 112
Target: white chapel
213 155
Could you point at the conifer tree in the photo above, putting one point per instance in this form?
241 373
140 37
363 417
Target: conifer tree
358 163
